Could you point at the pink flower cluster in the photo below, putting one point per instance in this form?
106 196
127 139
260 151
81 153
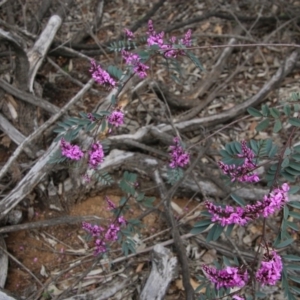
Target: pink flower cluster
270 269
179 157
129 34
229 277
237 297
101 76
269 273
96 155
242 173
116 118
170 48
70 151
241 215
134 60
111 233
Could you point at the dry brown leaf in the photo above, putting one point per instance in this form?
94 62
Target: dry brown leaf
5 141
139 267
209 257
179 284
205 26
252 126
194 284
218 29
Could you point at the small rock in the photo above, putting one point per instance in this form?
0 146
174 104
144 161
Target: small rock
15 217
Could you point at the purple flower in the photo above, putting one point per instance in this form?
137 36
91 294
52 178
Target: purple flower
140 69
133 60
187 39
94 230
96 155
129 34
111 205
241 215
153 37
179 157
101 76
242 173
116 118
112 232
228 215
229 277
237 297
270 269
121 220
100 247
130 58
70 151
91 117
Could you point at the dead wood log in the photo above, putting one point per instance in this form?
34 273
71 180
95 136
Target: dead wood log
282 72
102 293
37 53
163 271
3 263
38 16
41 168
6 295
22 63
14 134
29 98
90 28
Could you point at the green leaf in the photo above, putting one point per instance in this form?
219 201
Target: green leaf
229 149
297 148
294 122
295 290
274 112
294 165
292 171
268 145
273 151
219 229
295 278
260 294
254 112
115 72
237 147
288 176
229 229
294 267
195 60
277 126
224 153
291 257
294 204
211 233
285 212
285 243
293 225
253 146
295 215
293 190
262 125
265 110
296 156
197 230
287 110
238 199
295 96
285 163
226 261
203 223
